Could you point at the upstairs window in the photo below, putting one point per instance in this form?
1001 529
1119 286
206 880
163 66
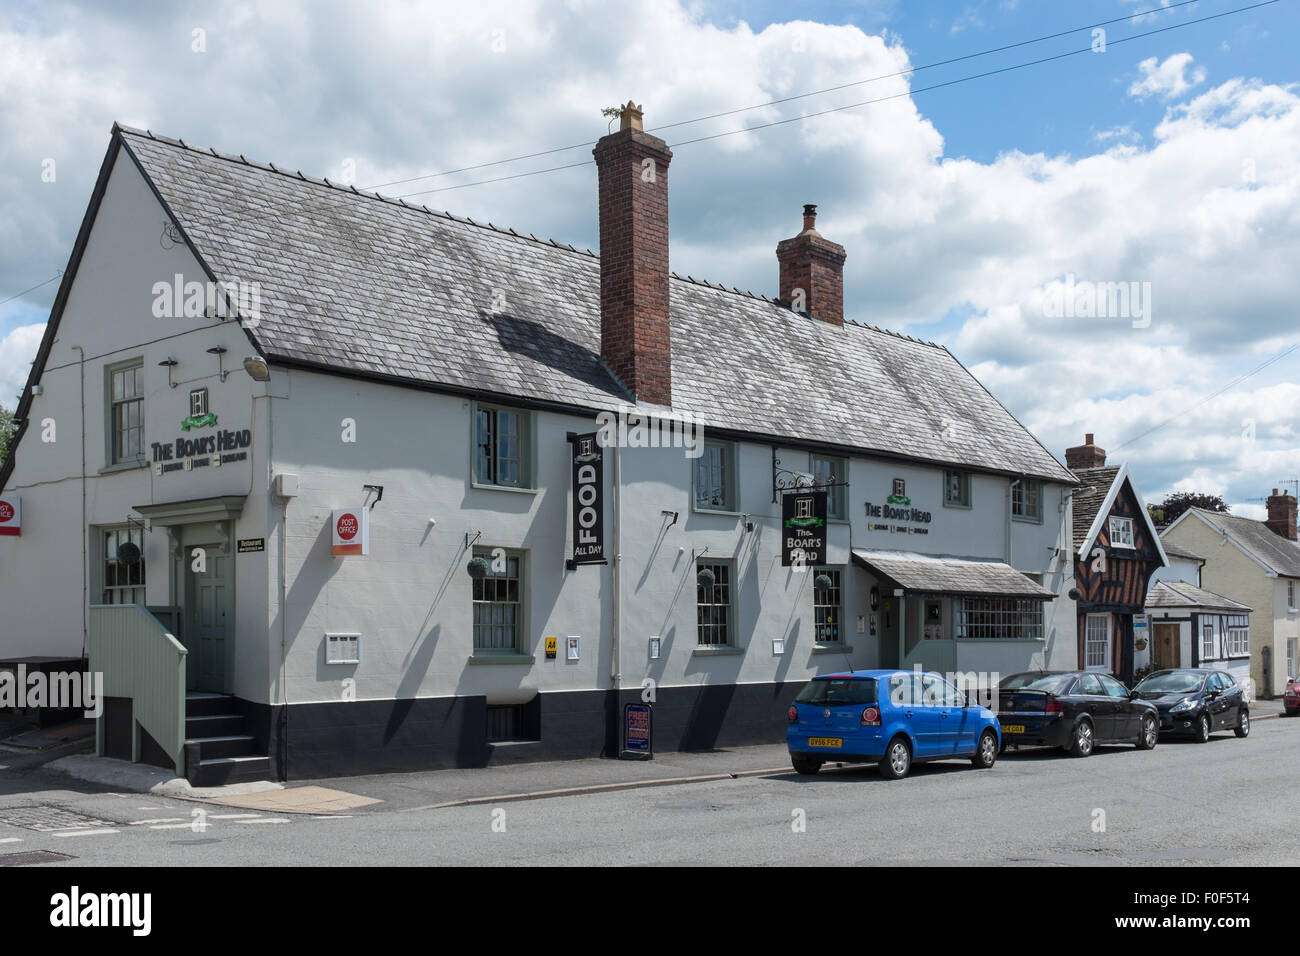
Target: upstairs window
1121 532
956 489
502 447
1027 499
715 477
825 471
126 415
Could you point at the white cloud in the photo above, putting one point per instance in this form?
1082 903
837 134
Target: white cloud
17 350
1167 80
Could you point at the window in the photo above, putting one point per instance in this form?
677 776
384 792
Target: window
1121 532
1027 499
503 723
1090 686
939 693
1290 658
126 415
123 582
827 603
1112 687
956 489
1006 619
1207 641
1238 635
826 470
502 447
498 604
1096 644
713 605
1290 594
715 477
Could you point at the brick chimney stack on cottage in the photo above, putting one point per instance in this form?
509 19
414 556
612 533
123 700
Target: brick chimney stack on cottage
1084 456
1281 514
812 272
632 168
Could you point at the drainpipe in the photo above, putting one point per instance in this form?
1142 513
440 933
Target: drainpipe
85 532
1010 491
616 668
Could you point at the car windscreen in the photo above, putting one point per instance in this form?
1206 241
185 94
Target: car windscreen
834 691
1171 684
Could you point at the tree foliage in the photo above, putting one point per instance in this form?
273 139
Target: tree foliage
1169 510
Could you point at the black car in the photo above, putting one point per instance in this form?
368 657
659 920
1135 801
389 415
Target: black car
1073 710
1197 702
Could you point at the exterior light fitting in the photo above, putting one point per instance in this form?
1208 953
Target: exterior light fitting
257 368
170 363
219 351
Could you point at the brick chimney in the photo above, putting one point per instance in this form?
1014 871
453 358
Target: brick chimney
1281 514
632 168
1086 455
812 272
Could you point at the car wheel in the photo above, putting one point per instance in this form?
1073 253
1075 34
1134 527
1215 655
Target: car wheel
1081 745
897 760
1150 733
1203 729
987 751
805 765
1243 725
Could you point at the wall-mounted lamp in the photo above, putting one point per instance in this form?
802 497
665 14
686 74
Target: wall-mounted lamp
219 351
376 488
171 363
257 368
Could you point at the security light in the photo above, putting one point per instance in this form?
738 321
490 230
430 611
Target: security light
257 368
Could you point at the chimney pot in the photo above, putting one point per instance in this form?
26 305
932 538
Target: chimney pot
1282 515
1084 456
1087 439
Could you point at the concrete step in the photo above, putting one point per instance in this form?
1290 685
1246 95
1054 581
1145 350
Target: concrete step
222 770
213 725
230 745
203 704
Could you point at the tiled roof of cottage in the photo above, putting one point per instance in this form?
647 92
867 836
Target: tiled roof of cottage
1086 503
1176 594
362 284
1174 551
1280 554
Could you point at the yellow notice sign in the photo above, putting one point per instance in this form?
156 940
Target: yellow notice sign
552 645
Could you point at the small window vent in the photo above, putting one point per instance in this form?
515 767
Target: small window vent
342 648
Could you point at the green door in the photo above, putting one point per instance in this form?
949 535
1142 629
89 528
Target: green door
211 615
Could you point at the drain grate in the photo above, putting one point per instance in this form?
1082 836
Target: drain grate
46 819
33 857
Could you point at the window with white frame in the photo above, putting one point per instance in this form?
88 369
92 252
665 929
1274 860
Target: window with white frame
1121 532
1004 619
123 580
714 612
1238 635
502 447
715 477
827 604
826 471
1207 641
1290 594
498 603
956 489
1027 499
126 413
1096 642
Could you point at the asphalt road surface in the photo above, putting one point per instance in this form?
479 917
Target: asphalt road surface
1226 802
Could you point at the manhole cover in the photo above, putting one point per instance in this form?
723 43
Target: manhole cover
46 819
33 857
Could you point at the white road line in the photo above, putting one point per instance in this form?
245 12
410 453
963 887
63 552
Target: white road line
233 816
333 816
172 826
267 820
72 833
11 840
4 766
140 823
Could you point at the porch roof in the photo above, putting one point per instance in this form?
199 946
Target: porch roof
942 574
1180 594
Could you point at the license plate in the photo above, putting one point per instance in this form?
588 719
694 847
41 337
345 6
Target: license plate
1013 728
825 741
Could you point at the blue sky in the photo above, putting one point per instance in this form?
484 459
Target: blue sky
1171 160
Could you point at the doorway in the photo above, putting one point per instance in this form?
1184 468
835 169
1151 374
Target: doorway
208 598
1165 646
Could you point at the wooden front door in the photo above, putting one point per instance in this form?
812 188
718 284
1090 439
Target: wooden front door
210 617
1165 646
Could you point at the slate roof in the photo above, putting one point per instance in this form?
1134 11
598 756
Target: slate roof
1280 554
1086 504
358 283
1180 594
1175 551
930 574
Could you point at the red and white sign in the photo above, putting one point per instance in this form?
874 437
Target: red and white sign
351 531
11 516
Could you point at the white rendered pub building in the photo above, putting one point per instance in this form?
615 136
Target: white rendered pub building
318 496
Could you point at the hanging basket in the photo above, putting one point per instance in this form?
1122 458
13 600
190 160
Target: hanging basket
1140 644
705 578
823 582
478 568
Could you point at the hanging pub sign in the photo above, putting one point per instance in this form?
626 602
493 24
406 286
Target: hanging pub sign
351 531
803 529
11 516
588 501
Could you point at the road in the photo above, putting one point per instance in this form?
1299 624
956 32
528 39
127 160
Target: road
1226 802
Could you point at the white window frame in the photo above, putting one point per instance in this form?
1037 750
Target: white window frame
1207 641
1121 532
836 574
519 605
117 455
1238 635
728 606
730 454
120 534
1290 596
1091 641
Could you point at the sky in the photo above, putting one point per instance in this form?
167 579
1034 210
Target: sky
981 212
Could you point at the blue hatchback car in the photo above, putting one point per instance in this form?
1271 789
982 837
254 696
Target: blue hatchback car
888 717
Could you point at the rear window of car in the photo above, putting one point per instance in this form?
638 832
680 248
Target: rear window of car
833 691
1171 684
1051 683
